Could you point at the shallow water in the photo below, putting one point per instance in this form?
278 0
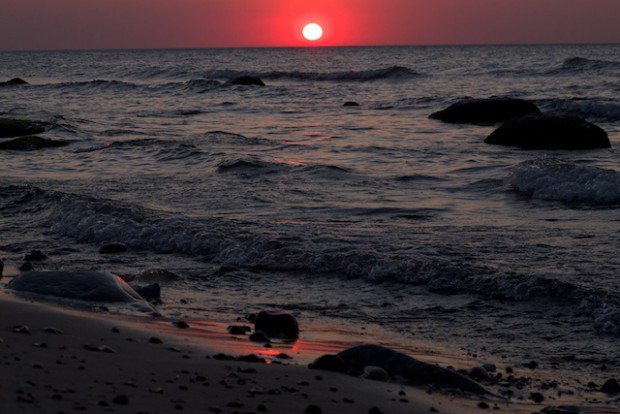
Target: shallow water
369 216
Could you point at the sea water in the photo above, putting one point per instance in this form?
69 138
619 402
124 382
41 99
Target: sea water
369 217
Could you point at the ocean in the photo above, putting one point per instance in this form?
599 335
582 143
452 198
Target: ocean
372 221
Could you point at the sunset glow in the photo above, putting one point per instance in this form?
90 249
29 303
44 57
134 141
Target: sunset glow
312 31
95 24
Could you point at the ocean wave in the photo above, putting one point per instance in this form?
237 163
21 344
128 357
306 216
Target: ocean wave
97 84
592 109
202 85
556 180
391 72
576 65
284 249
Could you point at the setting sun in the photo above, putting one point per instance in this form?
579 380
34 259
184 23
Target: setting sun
312 31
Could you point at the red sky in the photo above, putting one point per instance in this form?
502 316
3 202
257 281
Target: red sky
93 24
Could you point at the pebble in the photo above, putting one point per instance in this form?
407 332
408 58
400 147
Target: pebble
155 340
375 410
181 324
52 330
313 409
22 329
537 397
478 373
121 399
611 386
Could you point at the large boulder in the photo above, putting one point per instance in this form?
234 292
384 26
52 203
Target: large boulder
485 111
550 131
20 127
280 326
31 143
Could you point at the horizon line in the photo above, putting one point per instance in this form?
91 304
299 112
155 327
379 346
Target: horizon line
103 49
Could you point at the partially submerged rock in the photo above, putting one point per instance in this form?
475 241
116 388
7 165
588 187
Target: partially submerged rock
246 80
485 111
550 131
20 127
13 82
31 143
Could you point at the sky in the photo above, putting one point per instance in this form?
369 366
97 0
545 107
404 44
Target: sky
122 24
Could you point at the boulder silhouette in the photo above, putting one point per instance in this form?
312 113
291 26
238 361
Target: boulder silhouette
485 111
550 131
282 326
247 81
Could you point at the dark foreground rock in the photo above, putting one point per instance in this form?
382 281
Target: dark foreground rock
550 131
398 364
14 81
10 128
247 81
350 103
31 143
281 326
485 111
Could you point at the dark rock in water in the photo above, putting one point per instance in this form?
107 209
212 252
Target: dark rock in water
14 81
485 111
1 267
20 127
113 248
35 256
247 81
417 372
86 286
611 386
350 103
550 131
151 292
281 326
181 324
31 143
537 397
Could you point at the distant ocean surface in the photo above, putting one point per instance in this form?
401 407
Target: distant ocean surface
375 216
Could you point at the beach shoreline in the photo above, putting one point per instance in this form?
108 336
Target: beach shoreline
57 360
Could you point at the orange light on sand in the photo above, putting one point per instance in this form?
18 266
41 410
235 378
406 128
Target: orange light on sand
312 31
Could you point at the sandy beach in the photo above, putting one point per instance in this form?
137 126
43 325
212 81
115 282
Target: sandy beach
59 361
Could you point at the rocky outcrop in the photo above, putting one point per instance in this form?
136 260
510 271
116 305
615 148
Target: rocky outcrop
550 131
485 111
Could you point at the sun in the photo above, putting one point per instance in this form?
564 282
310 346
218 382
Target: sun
312 31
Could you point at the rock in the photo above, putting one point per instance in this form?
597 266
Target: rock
1 267
151 292
478 373
238 330
113 248
537 397
20 127
416 372
313 409
375 374
350 103
35 256
181 324
14 81
247 81
89 286
281 326
489 367
31 143
329 363
485 111
259 336
611 386
550 131
26 267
